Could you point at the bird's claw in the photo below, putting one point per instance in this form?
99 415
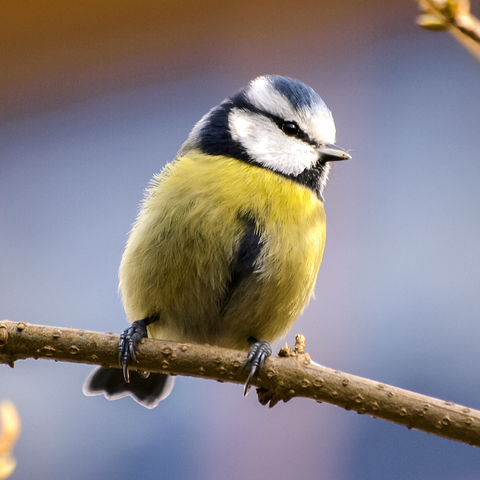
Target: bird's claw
129 340
259 351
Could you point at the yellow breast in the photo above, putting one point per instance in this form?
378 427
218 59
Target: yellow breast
176 263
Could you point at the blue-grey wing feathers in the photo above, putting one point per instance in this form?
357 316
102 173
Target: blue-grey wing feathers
242 264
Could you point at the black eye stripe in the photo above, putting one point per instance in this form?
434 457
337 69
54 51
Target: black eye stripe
280 122
240 101
300 134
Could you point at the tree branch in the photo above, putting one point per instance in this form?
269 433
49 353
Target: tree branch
453 16
282 378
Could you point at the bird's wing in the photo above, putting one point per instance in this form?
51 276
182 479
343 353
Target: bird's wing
243 262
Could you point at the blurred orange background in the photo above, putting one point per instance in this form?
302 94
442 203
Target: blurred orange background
95 97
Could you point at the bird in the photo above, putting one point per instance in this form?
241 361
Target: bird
230 236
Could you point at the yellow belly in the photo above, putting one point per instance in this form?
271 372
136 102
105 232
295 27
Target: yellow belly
176 263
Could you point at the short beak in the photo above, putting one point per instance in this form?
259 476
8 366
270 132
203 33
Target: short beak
331 153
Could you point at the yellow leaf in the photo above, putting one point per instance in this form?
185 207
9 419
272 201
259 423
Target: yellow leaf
10 426
10 430
7 466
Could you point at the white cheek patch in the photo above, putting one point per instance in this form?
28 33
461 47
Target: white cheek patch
241 125
268 145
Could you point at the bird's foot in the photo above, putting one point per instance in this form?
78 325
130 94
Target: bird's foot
129 340
259 351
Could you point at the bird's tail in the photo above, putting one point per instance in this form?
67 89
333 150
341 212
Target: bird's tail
146 391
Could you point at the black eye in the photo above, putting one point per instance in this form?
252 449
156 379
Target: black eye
290 128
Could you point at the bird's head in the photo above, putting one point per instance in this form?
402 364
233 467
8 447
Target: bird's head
277 123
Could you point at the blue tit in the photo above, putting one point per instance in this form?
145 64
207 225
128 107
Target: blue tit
228 242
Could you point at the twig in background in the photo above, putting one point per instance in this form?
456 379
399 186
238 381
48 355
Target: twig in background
455 17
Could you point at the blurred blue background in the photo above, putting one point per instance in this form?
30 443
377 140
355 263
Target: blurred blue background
397 299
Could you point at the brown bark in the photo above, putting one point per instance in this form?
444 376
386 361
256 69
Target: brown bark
290 375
